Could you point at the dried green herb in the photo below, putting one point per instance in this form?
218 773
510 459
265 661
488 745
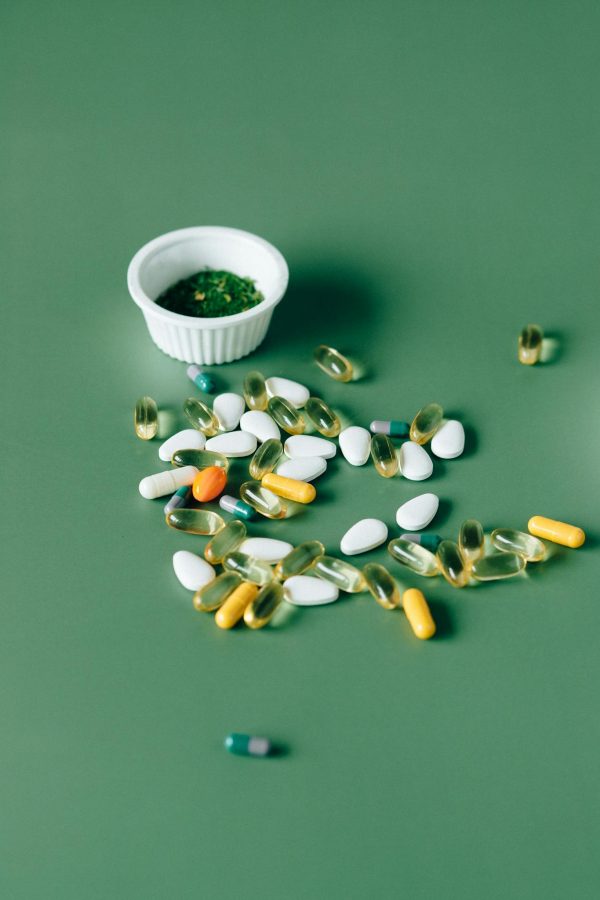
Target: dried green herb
210 293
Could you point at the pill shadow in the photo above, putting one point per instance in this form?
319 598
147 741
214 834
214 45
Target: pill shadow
445 624
168 420
553 348
442 515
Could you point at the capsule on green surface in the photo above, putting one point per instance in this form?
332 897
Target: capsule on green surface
383 454
202 459
426 539
145 418
452 564
216 592
255 391
261 610
299 559
498 565
323 417
415 557
470 540
341 573
266 457
526 545
263 500
426 423
286 415
200 416
382 585
248 745
237 508
195 521
225 541
333 363
248 568
530 345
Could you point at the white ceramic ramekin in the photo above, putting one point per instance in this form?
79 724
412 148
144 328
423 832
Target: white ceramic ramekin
175 255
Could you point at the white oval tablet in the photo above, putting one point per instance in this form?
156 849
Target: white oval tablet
228 408
355 444
363 536
300 445
415 462
260 424
192 571
268 549
305 590
304 469
188 439
233 443
293 391
417 513
153 486
449 441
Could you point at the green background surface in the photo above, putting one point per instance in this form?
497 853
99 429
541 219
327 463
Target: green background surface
430 172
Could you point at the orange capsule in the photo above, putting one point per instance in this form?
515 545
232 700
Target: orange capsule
209 483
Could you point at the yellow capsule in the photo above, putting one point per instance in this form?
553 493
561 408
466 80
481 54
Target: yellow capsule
530 345
323 417
299 559
214 594
261 609
286 415
290 488
426 423
452 564
415 557
265 458
557 532
333 363
418 614
145 418
382 585
202 459
510 541
235 605
470 540
248 568
196 521
262 500
255 391
225 541
498 565
383 454
200 416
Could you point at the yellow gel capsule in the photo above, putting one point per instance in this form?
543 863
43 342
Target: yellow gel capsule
225 541
530 345
498 565
145 418
196 521
557 532
382 585
262 500
323 417
230 613
202 459
299 559
265 458
510 541
248 568
415 557
418 614
290 488
452 564
470 540
345 576
426 423
200 416
383 454
333 363
261 609
286 415
255 391
214 594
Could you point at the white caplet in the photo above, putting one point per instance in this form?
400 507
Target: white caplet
296 393
417 513
305 590
449 441
188 439
415 462
301 445
162 483
192 571
363 536
355 444
260 424
228 409
304 469
233 443
270 550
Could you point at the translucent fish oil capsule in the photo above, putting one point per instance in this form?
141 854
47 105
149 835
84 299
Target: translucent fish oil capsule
299 559
383 454
261 610
323 417
248 568
255 391
382 586
426 423
225 541
230 613
145 418
286 415
414 557
345 576
266 457
510 541
200 416
202 459
333 363
452 565
498 565
530 345
214 594
263 500
195 521
470 540
237 508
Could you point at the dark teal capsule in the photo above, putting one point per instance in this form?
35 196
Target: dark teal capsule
237 508
202 380
393 428
428 540
179 498
248 745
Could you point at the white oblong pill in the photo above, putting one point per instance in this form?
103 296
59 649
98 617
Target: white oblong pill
228 409
364 535
355 444
153 486
306 590
192 571
233 443
417 513
188 439
269 550
293 391
415 462
449 440
261 425
300 445
304 469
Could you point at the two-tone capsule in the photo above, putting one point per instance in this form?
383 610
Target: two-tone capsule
426 539
181 496
530 345
414 557
383 454
255 391
263 500
145 418
333 363
248 745
342 574
237 508
323 417
202 380
382 586
200 416
225 541
299 559
265 459
426 423
392 427
289 488
286 415
452 564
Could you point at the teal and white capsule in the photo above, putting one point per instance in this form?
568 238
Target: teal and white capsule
237 508
202 380
179 498
392 427
428 540
248 745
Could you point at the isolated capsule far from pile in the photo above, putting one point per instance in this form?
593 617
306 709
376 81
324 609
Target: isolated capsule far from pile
418 614
323 417
470 540
383 454
286 415
333 363
232 610
213 595
508 540
195 521
237 508
266 458
289 488
248 568
255 391
202 380
557 532
263 500
260 611
145 418
343 574
299 559
452 565
530 345
382 586
414 557
248 745
426 423
200 416
225 541
498 565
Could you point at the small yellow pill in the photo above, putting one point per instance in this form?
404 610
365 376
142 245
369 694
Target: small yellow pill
418 613
557 532
235 605
290 488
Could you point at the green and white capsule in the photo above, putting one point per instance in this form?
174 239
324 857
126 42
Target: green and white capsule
214 594
526 545
426 539
181 496
145 418
202 459
286 415
248 745
414 557
202 380
470 540
200 416
393 427
248 568
266 458
345 576
323 417
299 559
260 612
225 541
426 423
497 566
255 391
237 508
